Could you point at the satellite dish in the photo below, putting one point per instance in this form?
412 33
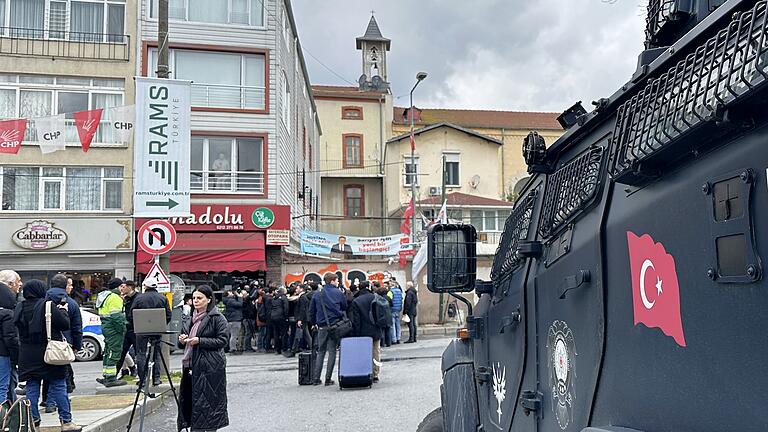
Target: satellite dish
474 181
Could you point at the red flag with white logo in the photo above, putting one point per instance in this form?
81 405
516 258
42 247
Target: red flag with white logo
11 135
87 122
405 227
655 290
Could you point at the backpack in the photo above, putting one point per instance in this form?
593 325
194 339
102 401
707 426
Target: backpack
380 313
17 417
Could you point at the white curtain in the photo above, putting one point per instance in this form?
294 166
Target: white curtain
20 188
34 104
212 11
115 22
27 18
7 104
257 12
104 134
239 14
83 188
86 21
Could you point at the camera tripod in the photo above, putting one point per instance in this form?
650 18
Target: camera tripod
153 340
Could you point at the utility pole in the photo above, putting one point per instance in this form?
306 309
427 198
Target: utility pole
163 71
415 176
442 200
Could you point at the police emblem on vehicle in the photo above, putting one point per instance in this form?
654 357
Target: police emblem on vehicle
562 350
499 386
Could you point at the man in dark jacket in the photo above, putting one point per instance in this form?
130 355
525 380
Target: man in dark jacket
410 307
57 293
149 299
9 340
249 321
300 315
361 314
278 318
326 308
233 312
128 291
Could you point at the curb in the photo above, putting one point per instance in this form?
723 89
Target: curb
119 419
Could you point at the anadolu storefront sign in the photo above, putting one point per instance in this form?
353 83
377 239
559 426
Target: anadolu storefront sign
218 217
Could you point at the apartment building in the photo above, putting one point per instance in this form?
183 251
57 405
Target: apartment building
60 57
255 135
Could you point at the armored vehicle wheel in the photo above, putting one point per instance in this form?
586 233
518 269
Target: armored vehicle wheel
433 422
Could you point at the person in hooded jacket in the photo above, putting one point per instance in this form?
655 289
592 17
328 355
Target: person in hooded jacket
57 293
360 314
9 341
278 319
203 389
149 299
30 319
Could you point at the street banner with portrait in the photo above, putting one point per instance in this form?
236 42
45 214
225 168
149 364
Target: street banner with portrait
313 242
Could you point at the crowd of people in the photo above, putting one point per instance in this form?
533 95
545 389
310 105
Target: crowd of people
251 318
286 320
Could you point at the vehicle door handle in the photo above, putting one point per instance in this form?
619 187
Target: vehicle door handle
574 281
509 321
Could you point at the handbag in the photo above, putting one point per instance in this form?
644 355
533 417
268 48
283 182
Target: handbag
57 353
406 319
340 328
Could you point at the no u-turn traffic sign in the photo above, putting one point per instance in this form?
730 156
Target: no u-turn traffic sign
157 237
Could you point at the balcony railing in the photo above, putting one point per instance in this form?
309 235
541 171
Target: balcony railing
64 44
228 96
218 181
339 168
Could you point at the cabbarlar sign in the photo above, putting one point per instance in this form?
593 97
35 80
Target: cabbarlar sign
39 235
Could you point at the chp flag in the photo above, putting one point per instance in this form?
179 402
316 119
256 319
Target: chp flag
162 148
655 289
50 133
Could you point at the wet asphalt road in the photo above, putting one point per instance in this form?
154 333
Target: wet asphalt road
263 394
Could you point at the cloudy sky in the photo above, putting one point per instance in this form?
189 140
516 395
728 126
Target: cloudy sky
532 55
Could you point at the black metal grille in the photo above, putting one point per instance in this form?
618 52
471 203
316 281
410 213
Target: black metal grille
717 73
64 44
516 229
570 189
659 12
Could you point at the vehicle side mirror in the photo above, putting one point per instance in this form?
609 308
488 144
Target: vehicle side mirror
452 263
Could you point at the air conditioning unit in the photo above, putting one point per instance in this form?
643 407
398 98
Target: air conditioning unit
435 190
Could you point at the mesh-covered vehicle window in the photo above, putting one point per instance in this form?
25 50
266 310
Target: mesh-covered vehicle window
571 189
516 229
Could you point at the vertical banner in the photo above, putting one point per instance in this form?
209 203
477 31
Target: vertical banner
162 148
120 123
11 135
50 133
86 123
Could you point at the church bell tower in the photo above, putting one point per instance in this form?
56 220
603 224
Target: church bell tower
374 49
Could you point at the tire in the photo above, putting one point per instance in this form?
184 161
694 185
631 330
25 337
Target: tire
433 422
91 350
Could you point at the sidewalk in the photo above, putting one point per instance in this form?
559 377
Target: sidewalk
435 330
107 411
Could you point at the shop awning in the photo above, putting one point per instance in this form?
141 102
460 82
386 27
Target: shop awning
217 252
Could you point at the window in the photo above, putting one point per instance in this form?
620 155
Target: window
352 113
30 96
77 20
451 169
488 220
286 31
57 188
286 105
226 164
353 150
353 201
411 173
219 79
240 12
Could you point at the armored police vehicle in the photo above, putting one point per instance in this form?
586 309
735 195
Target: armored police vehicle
628 293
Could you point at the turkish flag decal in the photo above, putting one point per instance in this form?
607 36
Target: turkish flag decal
11 135
87 122
655 291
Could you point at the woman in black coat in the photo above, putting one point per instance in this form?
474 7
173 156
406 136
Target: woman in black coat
29 318
203 390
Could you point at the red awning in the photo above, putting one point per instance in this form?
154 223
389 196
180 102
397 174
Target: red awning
218 252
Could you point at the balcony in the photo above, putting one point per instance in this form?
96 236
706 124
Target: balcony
64 44
337 168
228 96
227 182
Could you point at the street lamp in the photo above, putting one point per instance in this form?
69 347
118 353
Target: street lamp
419 77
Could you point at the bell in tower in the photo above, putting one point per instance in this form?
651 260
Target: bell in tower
374 49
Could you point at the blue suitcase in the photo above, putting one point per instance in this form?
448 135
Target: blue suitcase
356 362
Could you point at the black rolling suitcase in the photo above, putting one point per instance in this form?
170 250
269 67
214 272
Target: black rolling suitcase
306 364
